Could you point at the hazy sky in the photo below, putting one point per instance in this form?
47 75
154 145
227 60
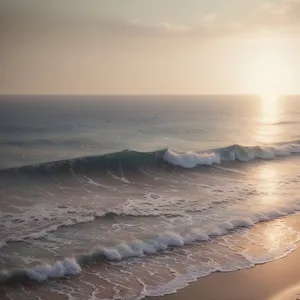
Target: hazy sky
149 46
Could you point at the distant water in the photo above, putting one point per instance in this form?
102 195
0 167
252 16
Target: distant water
136 196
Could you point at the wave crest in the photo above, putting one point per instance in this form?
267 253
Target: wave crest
132 160
231 153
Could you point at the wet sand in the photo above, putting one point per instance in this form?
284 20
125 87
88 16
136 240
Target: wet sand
277 280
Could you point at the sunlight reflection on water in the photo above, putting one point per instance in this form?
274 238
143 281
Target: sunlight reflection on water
270 117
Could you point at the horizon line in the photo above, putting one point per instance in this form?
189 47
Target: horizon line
137 95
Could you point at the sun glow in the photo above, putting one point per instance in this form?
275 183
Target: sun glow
270 98
268 68
269 118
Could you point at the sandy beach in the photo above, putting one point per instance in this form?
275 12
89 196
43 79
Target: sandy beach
277 280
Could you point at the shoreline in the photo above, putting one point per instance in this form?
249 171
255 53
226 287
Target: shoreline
276 280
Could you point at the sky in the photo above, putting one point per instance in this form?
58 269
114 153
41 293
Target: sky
149 46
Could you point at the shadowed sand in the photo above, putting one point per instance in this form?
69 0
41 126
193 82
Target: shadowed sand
277 280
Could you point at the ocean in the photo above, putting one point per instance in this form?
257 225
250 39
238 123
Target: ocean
123 197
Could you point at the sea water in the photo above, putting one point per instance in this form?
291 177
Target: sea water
122 197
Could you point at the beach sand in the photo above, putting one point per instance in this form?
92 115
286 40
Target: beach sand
277 280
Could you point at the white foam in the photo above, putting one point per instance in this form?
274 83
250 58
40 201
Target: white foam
122 178
175 239
49 220
59 269
236 152
44 232
191 159
164 241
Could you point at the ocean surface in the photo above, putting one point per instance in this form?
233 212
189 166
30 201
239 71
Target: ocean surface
122 197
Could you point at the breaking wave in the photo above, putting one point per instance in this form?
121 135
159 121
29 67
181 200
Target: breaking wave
138 248
133 160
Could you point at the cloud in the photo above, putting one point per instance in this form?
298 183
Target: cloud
273 17
282 16
139 29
